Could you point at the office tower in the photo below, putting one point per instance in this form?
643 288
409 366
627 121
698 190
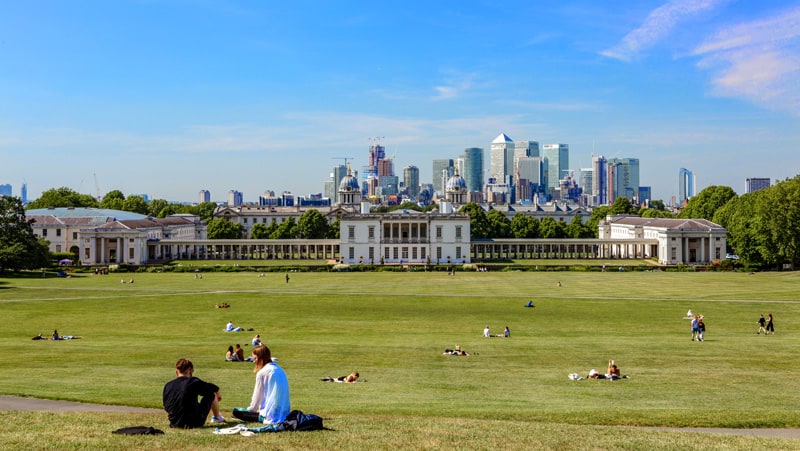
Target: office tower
234 198
411 180
557 156
473 169
530 171
5 190
755 184
645 195
204 196
626 178
332 184
442 170
686 185
501 158
385 167
599 180
24 193
585 180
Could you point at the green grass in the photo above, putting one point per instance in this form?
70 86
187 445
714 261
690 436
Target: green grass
392 328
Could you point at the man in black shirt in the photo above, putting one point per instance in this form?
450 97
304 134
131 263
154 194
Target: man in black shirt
180 398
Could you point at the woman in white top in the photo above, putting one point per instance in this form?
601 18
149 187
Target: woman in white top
270 403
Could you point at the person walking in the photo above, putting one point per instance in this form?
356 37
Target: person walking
770 326
761 323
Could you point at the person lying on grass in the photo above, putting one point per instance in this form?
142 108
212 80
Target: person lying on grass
349 379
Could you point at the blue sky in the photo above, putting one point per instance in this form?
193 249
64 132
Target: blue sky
170 97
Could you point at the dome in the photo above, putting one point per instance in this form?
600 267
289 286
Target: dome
456 183
349 183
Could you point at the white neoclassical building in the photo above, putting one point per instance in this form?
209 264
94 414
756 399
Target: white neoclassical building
101 236
405 237
680 241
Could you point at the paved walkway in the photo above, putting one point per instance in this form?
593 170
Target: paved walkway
19 403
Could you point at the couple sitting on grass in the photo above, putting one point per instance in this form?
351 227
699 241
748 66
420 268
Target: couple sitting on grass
236 355
269 405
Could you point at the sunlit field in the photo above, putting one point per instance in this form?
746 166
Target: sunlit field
392 328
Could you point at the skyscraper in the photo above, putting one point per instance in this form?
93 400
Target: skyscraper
411 180
442 170
599 180
686 185
235 198
755 184
332 184
5 190
473 168
530 175
501 158
626 178
557 156
204 196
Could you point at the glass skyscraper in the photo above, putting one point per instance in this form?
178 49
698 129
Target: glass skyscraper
473 169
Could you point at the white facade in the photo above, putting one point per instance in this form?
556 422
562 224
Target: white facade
680 241
405 237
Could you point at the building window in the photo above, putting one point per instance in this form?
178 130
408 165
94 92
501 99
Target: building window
371 254
58 232
718 253
74 235
86 253
131 253
405 253
458 253
352 253
414 253
44 232
371 234
438 253
422 252
458 232
244 220
673 238
131 240
58 248
439 232
386 253
394 252
351 232
674 253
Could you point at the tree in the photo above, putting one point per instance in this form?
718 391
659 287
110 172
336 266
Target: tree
312 225
285 231
653 213
524 226
598 214
622 206
576 229
222 229
63 197
657 204
259 232
779 213
334 230
478 224
113 200
19 246
135 204
204 210
707 202
155 207
550 228
499 224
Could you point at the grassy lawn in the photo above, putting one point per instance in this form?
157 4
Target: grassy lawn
392 328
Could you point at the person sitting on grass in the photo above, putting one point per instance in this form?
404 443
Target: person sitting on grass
180 398
231 328
257 340
240 354
270 403
231 356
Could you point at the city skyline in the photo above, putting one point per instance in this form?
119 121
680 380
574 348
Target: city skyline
170 98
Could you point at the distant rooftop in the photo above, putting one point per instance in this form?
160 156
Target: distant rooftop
98 215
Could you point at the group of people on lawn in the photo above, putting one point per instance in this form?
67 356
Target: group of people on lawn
269 404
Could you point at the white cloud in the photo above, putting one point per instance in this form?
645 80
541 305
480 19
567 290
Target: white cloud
758 61
658 24
455 87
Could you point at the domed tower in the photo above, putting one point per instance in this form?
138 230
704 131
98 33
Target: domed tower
349 191
456 189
